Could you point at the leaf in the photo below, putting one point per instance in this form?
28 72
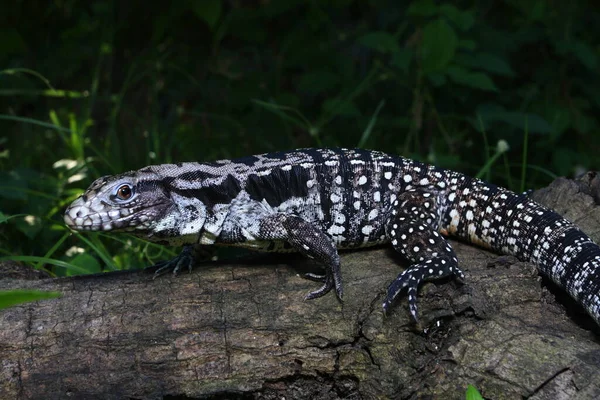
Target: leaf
586 55
207 10
13 186
10 298
437 79
30 225
472 393
401 59
422 8
493 113
477 80
318 81
485 61
439 42
463 20
11 42
86 262
467 44
380 41
337 107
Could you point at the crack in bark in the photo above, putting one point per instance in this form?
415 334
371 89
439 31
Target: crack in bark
548 381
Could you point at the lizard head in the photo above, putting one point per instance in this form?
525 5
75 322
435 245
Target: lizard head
126 202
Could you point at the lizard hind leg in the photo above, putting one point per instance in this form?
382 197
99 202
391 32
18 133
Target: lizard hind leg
411 230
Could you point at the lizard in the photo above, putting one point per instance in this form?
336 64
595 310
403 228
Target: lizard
317 201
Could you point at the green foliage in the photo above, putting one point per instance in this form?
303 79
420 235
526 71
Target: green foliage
507 90
9 298
472 393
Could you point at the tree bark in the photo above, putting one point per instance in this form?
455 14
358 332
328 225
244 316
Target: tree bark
243 331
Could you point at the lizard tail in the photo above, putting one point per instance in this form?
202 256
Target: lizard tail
513 224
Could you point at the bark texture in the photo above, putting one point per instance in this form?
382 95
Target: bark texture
243 331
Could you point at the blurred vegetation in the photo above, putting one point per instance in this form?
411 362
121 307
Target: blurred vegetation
89 88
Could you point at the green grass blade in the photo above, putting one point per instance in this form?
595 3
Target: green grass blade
99 250
367 132
49 253
34 259
524 161
9 298
33 122
14 71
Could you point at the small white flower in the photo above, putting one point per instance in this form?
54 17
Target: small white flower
502 146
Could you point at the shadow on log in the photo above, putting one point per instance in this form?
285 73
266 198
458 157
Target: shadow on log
243 331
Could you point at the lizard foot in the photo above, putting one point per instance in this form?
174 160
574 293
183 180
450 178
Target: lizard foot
411 279
185 258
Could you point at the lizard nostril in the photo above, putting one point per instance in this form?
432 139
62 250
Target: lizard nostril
79 213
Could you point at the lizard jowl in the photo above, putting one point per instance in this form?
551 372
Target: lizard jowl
315 201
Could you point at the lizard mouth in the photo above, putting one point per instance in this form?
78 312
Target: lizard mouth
81 218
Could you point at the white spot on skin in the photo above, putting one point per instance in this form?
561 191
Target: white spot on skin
335 198
310 184
286 168
377 196
373 214
362 180
338 180
469 215
387 175
451 196
336 230
407 178
367 229
356 205
340 218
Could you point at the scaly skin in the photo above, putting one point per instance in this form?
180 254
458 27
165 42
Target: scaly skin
315 201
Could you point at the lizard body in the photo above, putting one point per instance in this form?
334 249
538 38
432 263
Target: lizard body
316 201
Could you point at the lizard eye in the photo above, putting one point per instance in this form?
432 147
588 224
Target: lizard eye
124 192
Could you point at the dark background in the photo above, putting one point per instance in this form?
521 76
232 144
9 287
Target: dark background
89 88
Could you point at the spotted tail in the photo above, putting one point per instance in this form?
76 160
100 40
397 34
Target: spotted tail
511 223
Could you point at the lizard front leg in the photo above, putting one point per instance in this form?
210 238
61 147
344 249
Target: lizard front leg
412 229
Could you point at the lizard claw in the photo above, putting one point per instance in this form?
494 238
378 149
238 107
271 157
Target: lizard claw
329 282
323 290
315 277
185 258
